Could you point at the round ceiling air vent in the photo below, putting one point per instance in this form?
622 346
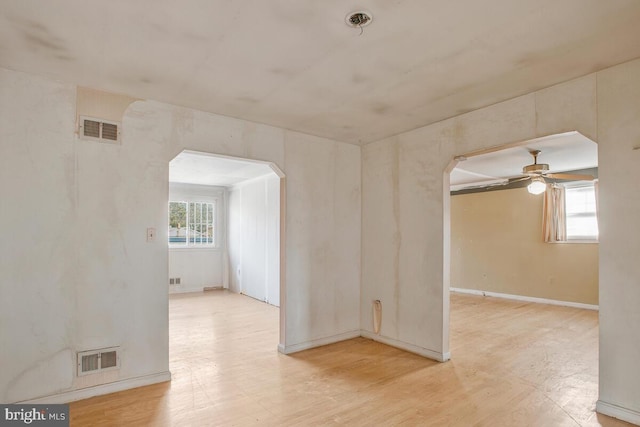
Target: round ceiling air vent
358 19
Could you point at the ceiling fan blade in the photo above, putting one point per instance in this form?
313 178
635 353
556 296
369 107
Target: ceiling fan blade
570 176
522 178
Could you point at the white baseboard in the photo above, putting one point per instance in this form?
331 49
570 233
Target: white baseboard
177 289
317 342
421 351
615 411
526 299
85 393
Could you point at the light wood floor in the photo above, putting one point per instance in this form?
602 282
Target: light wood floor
514 364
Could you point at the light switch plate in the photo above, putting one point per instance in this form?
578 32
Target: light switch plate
151 234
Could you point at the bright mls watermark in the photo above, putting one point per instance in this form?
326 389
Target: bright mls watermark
34 415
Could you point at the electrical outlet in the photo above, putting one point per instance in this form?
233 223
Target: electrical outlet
177 280
172 281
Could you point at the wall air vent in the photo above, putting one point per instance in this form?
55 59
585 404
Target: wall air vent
95 361
99 130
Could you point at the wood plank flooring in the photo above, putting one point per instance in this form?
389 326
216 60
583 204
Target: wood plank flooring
513 364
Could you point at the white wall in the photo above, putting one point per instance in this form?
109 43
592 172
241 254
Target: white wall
196 267
322 240
254 224
619 156
77 272
272 260
234 239
405 216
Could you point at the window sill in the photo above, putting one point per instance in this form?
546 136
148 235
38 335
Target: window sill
195 248
581 241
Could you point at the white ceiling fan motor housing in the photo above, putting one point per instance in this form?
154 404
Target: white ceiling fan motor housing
535 168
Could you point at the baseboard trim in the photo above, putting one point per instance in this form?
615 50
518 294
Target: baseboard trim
289 349
615 411
85 393
196 289
421 351
526 299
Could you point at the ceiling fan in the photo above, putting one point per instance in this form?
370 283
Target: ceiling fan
539 172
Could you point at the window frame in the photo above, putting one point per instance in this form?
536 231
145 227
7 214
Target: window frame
187 193
580 239
188 223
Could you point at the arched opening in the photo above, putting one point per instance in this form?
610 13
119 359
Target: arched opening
506 280
498 243
226 227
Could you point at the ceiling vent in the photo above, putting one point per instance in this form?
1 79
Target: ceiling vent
99 130
358 19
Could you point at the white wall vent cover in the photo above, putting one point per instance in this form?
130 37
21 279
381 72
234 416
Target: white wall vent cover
100 360
99 130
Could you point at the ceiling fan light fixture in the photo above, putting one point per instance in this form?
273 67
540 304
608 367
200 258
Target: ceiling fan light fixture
537 186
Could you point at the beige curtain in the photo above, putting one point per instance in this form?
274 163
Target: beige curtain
554 228
597 194
596 191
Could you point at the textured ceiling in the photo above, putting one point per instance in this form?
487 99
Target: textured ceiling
191 167
297 65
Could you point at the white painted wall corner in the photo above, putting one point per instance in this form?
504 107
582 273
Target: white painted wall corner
318 342
420 351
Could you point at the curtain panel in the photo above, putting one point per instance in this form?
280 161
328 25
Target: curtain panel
554 228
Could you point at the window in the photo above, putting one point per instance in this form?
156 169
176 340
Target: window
581 212
191 224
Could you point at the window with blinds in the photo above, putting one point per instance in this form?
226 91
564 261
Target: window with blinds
581 212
